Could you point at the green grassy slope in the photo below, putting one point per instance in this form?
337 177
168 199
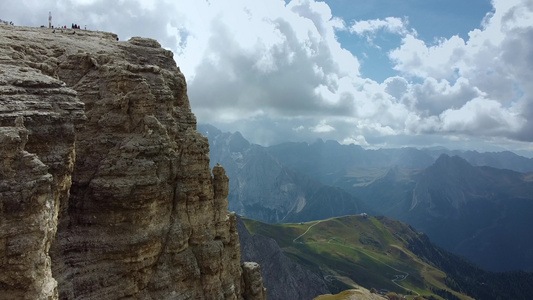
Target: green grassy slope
355 250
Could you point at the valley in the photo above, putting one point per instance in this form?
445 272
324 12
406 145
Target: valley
479 205
355 217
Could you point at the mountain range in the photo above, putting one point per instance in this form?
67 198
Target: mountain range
482 213
479 205
264 189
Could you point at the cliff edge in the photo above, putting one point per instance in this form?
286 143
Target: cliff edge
105 185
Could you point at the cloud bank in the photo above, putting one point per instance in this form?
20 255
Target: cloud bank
278 71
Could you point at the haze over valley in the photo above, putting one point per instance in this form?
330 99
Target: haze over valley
478 205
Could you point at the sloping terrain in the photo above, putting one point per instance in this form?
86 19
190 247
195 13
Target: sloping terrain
354 251
282 276
388 255
482 213
354 294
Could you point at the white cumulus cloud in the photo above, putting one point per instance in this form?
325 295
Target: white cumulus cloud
371 27
277 70
460 76
322 127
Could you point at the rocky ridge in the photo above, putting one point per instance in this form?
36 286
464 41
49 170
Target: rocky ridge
105 187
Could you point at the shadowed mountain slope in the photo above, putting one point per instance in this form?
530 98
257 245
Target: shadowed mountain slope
482 213
264 189
283 277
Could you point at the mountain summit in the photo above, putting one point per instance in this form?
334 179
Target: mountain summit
446 185
479 212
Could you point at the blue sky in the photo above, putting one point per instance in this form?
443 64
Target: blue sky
380 73
431 19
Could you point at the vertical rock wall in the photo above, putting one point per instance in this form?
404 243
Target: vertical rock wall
38 115
145 218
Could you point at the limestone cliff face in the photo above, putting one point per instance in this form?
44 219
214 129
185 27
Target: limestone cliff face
105 185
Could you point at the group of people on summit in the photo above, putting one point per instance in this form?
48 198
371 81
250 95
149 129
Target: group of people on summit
6 22
74 26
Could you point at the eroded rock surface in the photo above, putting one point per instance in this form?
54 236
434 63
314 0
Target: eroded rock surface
253 280
105 185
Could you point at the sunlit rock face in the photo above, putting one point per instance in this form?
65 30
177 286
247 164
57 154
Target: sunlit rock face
106 190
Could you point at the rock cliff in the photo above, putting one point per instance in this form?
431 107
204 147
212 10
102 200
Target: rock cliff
105 185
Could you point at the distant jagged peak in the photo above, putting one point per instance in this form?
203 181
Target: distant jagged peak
235 140
328 143
208 130
451 163
238 136
318 142
447 185
237 143
332 143
454 171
